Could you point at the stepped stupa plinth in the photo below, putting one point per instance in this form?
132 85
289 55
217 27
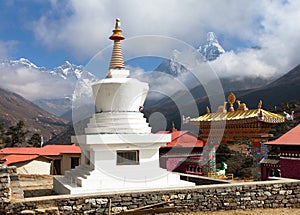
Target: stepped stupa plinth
119 152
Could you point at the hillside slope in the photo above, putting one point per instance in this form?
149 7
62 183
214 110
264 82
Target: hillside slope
284 89
14 107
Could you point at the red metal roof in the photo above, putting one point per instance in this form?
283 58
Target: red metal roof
60 149
48 150
292 137
9 159
182 139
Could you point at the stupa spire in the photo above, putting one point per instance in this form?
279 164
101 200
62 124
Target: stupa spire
117 60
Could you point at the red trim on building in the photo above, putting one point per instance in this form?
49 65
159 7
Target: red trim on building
11 159
292 137
182 139
48 150
289 144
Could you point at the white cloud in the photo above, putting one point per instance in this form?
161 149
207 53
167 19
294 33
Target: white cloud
246 63
83 27
166 85
278 42
33 84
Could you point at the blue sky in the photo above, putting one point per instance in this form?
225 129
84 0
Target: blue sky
16 30
50 32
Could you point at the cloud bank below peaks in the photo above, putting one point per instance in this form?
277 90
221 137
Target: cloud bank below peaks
33 84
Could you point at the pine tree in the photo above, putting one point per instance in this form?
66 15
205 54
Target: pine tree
35 140
2 136
17 133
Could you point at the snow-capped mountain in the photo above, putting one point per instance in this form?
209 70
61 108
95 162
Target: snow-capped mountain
211 50
53 90
68 71
22 62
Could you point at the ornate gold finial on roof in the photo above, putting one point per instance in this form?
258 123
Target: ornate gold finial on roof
173 125
117 60
117 32
241 106
207 110
231 100
222 108
118 24
259 104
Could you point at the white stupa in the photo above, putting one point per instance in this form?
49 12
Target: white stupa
119 152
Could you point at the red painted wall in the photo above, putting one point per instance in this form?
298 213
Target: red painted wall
290 168
175 164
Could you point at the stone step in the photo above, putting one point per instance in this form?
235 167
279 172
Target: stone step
74 173
75 176
118 120
118 115
118 125
114 130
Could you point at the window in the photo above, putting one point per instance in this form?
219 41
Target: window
128 157
74 162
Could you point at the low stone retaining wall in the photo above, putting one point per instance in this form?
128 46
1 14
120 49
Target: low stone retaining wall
5 191
9 186
270 194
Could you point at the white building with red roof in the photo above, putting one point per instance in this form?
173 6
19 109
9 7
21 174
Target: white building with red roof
50 159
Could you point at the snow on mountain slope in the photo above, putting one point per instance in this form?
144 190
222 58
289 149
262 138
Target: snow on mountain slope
211 50
49 89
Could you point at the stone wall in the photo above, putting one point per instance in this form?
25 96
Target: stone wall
270 194
9 186
5 192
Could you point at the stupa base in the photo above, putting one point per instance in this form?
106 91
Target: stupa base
98 182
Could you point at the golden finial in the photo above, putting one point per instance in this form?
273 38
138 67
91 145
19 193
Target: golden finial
259 104
117 60
173 125
118 24
231 100
117 32
207 110
241 106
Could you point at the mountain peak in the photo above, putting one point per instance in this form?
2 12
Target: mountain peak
22 62
26 62
211 37
212 49
68 70
67 63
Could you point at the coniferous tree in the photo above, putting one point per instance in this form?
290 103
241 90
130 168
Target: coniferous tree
35 140
17 133
2 135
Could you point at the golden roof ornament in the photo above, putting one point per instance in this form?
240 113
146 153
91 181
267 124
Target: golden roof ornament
241 106
173 126
117 32
207 110
259 104
117 60
222 108
231 100
118 24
